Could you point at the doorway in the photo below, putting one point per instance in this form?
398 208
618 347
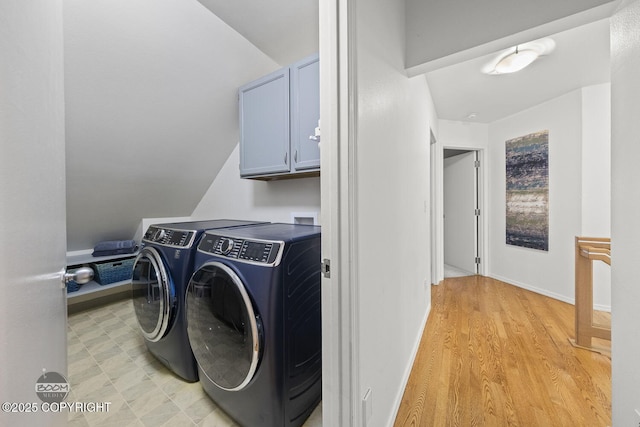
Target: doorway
461 212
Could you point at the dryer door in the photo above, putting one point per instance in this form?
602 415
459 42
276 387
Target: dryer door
223 328
152 294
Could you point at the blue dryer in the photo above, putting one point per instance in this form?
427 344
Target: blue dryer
254 322
160 275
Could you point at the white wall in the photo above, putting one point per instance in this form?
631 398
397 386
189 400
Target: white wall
275 201
596 160
596 180
463 135
391 221
579 188
151 109
550 273
474 136
625 205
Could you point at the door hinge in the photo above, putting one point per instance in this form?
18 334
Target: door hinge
477 260
326 268
477 212
476 164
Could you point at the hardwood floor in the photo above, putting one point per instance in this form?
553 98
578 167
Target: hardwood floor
493 354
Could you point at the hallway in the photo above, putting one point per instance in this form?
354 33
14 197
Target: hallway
493 354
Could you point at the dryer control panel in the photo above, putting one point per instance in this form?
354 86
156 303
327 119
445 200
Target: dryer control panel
262 252
169 237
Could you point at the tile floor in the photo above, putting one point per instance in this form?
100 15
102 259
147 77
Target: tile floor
451 271
109 362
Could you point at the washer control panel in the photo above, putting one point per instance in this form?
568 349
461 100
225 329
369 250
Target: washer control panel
262 252
169 237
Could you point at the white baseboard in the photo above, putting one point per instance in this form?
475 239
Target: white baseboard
407 372
559 297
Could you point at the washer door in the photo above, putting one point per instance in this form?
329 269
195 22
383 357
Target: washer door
223 328
153 294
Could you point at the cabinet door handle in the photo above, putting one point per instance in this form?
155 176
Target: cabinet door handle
295 156
285 158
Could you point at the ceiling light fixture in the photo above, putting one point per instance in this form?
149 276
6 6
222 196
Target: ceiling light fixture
519 57
516 61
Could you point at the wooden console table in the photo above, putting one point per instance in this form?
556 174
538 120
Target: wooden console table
588 250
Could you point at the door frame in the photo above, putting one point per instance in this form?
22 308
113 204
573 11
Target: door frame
437 209
436 212
460 197
338 108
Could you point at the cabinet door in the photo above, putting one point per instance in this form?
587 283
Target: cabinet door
305 105
264 125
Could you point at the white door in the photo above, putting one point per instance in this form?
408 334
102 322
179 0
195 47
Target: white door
460 202
32 207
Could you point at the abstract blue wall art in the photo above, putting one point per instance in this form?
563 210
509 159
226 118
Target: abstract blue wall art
527 198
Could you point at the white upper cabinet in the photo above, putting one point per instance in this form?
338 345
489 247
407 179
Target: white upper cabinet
264 125
278 115
305 113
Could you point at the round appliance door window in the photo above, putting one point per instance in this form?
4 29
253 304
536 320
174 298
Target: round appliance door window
222 326
152 294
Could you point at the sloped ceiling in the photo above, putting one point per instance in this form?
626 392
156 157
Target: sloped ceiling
151 110
286 30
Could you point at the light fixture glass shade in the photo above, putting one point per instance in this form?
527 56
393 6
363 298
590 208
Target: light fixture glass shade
518 57
515 61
